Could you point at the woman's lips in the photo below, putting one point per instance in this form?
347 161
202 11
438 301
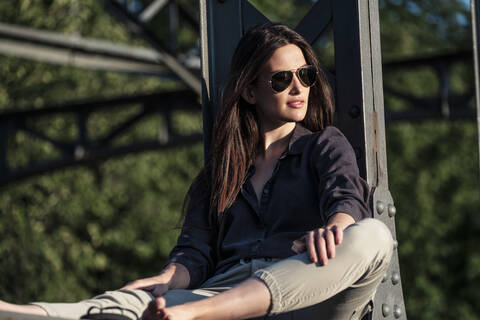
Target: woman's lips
296 103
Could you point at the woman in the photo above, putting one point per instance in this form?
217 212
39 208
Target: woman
275 224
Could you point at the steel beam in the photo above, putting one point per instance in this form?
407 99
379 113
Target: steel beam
359 93
85 150
74 50
139 29
222 24
360 115
475 9
3 148
151 11
316 22
101 55
87 157
444 104
173 25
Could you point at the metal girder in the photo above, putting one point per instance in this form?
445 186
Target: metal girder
139 29
359 96
434 60
443 105
316 22
173 25
58 48
360 115
101 55
84 150
76 51
222 24
475 9
150 11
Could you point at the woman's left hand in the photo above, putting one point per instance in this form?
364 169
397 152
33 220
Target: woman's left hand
320 243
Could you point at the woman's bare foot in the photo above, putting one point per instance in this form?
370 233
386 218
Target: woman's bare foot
29 309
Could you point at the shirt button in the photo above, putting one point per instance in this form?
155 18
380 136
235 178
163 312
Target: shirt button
265 191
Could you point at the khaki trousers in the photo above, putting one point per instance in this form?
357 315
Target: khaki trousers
343 289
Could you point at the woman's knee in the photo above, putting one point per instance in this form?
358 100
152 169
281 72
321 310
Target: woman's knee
370 237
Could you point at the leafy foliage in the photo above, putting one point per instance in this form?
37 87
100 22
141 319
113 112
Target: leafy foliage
434 179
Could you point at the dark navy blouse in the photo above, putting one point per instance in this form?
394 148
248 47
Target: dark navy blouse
316 177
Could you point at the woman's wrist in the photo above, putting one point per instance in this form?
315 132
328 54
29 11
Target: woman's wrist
340 220
175 276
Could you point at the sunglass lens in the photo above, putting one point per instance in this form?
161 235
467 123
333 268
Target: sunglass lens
281 80
307 75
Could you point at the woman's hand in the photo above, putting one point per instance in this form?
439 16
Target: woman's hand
174 276
155 285
320 243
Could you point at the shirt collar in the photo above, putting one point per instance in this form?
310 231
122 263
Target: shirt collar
295 145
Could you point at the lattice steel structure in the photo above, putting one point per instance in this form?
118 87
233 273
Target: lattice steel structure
160 60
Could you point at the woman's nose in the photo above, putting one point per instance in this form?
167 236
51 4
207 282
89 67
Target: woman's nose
295 86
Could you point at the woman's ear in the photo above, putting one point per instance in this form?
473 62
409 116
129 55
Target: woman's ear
249 95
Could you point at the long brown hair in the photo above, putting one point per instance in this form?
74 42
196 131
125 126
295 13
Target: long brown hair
236 131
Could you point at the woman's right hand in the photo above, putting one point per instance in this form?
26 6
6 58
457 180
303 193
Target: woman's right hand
174 276
156 285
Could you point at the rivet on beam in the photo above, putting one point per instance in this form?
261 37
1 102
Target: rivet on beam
79 152
380 207
385 277
392 210
395 244
395 277
397 312
385 310
354 111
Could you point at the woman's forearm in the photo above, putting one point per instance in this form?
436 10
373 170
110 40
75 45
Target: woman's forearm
175 275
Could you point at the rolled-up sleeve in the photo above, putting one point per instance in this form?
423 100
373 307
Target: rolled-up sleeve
195 245
341 189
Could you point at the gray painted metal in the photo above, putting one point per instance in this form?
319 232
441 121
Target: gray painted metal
173 25
95 54
151 11
74 50
359 93
475 9
316 21
138 28
359 88
222 24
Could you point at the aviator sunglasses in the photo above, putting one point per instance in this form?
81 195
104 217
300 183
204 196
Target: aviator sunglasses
281 80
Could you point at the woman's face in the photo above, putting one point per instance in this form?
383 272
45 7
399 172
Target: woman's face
290 105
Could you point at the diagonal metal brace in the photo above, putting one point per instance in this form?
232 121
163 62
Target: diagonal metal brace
138 28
